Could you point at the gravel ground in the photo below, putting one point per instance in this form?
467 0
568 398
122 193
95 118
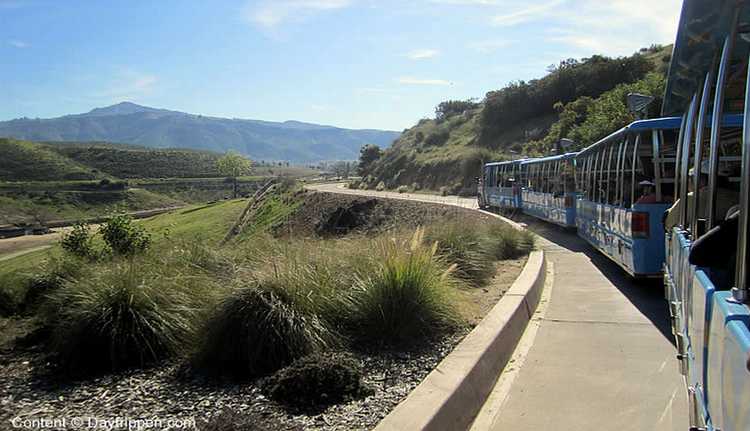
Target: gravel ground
29 391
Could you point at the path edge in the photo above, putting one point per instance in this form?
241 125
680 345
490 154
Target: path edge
450 397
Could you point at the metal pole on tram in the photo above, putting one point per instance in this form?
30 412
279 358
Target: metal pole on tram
687 138
740 292
716 117
697 158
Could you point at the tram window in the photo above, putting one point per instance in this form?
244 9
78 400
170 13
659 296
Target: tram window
568 176
627 173
667 165
609 177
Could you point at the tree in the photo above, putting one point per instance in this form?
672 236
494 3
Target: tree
368 154
233 165
341 169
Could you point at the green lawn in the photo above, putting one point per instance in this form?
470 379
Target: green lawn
209 222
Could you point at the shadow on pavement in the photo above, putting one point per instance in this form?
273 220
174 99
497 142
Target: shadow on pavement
647 295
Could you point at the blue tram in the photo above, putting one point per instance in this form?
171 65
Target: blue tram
626 182
500 185
706 245
548 191
696 167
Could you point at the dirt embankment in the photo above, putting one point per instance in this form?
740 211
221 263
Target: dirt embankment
331 214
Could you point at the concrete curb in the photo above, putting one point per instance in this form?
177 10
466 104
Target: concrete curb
453 393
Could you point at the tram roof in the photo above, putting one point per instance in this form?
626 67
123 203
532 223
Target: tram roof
700 37
550 158
507 162
640 125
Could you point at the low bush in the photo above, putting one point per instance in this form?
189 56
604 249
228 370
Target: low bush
444 191
504 242
317 380
380 187
123 236
78 241
402 189
463 245
354 184
258 329
406 295
416 186
123 314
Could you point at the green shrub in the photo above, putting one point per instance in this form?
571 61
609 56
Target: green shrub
317 380
123 236
504 242
443 191
416 186
462 244
78 241
380 187
402 189
355 184
123 314
258 329
404 296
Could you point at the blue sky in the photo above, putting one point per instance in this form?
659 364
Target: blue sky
349 63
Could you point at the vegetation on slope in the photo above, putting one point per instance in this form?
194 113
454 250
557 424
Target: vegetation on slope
579 99
130 161
28 161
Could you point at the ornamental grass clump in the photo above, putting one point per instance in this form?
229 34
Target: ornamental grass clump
124 314
406 295
504 242
463 245
257 329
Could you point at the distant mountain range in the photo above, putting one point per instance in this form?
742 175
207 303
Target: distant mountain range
160 128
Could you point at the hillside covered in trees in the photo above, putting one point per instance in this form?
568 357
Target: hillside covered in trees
583 100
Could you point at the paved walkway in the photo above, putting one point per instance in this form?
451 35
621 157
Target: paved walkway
601 357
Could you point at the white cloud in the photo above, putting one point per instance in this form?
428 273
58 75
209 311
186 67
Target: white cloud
407 80
320 108
487 46
525 14
372 90
467 2
18 44
422 54
269 14
616 27
130 85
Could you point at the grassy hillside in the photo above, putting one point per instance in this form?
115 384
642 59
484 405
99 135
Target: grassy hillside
28 161
583 99
45 206
130 161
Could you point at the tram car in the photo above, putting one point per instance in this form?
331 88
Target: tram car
706 245
500 185
549 191
626 183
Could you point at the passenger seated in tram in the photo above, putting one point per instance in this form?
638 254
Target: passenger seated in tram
726 198
648 196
